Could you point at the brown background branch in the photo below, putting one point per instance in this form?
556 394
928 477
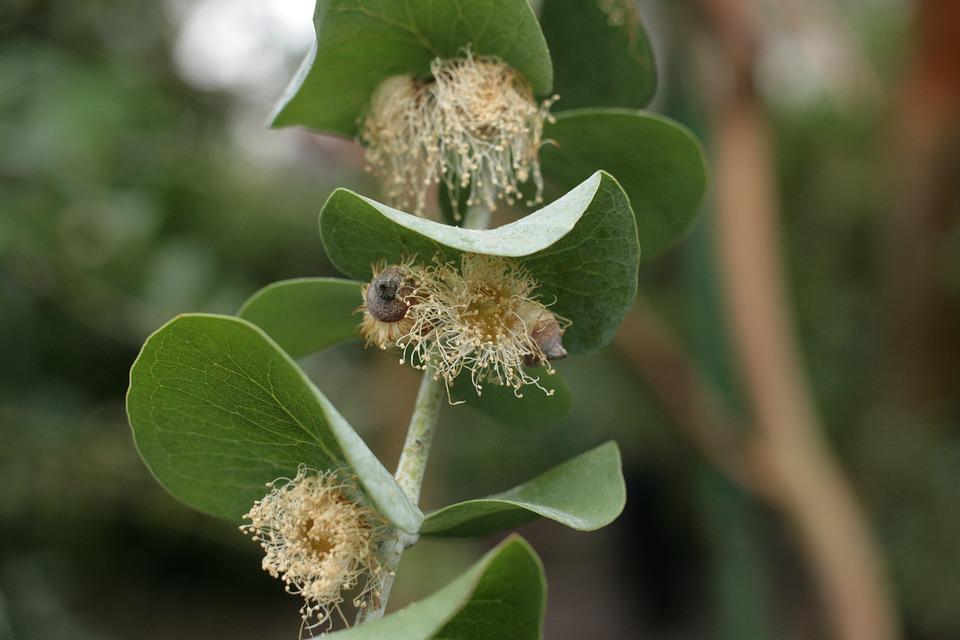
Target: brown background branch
782 457
690 398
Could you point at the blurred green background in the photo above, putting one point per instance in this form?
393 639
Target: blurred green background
137 182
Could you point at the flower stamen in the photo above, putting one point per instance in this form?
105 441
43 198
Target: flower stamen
483 320
320 539
473 125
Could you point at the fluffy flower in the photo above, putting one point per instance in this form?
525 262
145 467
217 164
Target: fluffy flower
474 124
484 318
320 539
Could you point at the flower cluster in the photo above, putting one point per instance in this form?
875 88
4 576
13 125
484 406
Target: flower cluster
483 318
473 125
320 539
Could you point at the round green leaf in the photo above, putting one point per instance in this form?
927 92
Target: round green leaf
307 315
598 61
218 410
360 43
582 249
585 493
502 596
659 163
534 410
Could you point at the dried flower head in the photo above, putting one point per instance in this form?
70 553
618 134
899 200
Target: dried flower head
387 299
484 318
474 124
320 539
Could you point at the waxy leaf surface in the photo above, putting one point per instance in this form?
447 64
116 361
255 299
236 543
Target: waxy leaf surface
307 315
360 43
600 59
582 249
584 493
218 410
534 410
659 164
502 596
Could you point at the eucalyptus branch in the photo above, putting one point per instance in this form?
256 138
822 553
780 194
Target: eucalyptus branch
491 308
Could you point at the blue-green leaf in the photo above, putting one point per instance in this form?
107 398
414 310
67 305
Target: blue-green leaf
218 410
582 249
307 315
503 596
585 493
601 53
659 163
362 42
534 410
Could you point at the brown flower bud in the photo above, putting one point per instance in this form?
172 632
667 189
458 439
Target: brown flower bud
549 336
388 295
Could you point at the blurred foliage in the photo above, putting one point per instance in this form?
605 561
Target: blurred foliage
126 198
833 170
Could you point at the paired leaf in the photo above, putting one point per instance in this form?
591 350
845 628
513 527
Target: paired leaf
502 596
585 493
307 315
582 249
218 410
659 163
601 58
534 410
360 43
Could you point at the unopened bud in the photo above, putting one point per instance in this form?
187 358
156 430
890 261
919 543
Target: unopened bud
549 336
388 295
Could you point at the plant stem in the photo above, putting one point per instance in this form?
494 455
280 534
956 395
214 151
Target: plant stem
413 461
410 471
416 449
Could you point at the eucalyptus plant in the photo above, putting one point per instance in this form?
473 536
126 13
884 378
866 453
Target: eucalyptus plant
455 100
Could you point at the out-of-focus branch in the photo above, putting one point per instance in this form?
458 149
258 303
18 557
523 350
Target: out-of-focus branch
793 476
691 399
812 492
785 455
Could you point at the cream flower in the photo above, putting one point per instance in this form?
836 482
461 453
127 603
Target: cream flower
474 124
320 539
483 318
